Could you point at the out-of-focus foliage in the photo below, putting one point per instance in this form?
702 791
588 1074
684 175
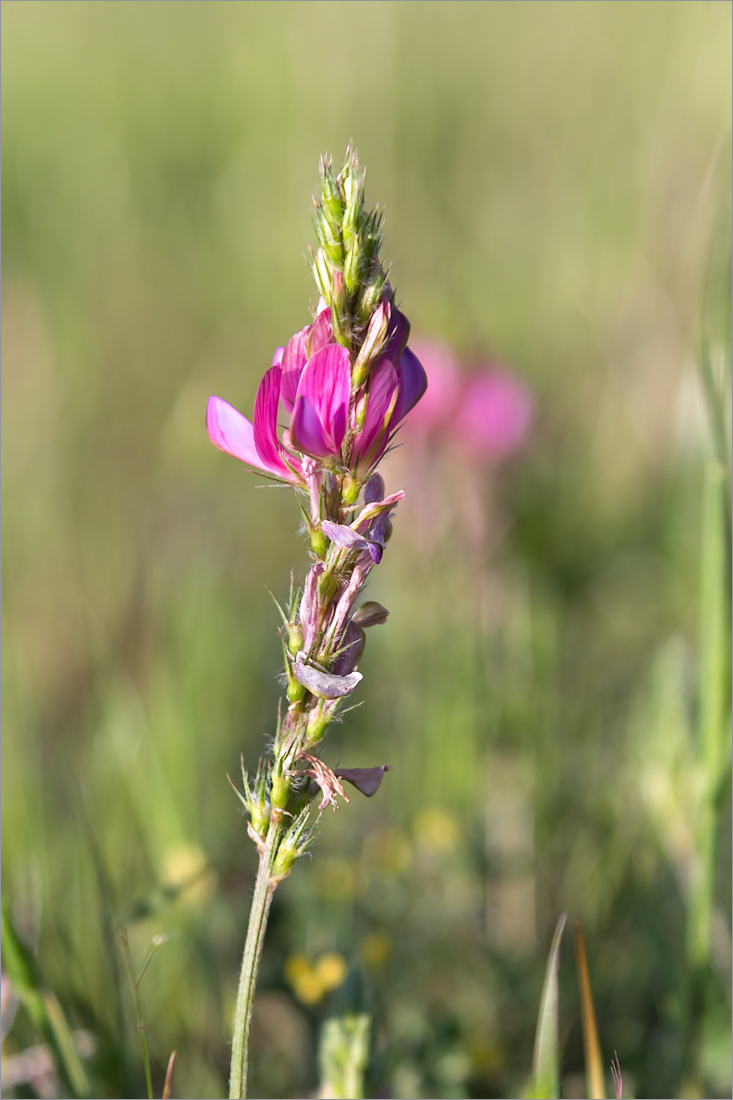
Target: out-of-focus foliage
556 179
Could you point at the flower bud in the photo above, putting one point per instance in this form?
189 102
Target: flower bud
350 490
330 241
259 813
319 542
295 690
360 412
286 856
295 637
318 721
279 791
371 295
370 613
330 195
353 203
352 266
327 585
322 274
372 346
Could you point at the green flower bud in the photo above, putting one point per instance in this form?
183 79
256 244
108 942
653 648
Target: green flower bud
284 860
361 408
350 490
330 239
371 295
295 638
330 195
372 346
295 691
352 266
322 274
280 791
327 585
319 543
318 722
259 813
353 202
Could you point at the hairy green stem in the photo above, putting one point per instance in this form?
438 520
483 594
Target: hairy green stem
264 889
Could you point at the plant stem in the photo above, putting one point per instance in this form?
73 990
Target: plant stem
264 889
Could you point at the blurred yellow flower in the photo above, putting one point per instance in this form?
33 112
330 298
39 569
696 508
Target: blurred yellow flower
388 851
339 879
185 867
436 831
312 981
376 948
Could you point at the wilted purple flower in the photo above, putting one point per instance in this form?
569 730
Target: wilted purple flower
367 780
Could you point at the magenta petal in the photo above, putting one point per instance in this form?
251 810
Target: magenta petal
267 443
397 335
372 439
306 432
413 383
294 358
325 385
231 432
321 331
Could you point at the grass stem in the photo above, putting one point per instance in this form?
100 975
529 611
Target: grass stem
264 889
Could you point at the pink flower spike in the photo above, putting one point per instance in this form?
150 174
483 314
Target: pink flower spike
319 418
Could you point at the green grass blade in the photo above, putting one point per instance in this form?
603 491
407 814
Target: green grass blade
546 1061
715 629
43 1008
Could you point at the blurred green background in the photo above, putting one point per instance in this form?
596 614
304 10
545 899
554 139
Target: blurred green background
556 183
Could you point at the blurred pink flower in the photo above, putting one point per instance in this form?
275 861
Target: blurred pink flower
444 383
494 414
486 411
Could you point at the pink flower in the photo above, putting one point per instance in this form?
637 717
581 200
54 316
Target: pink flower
312 376
486 412
494 414
444 374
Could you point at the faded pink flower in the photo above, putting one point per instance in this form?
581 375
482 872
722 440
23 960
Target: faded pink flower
486 412
494 414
